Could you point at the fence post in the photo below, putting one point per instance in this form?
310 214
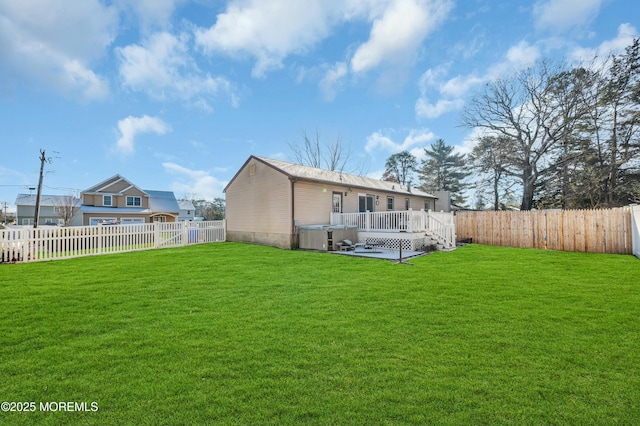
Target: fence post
410 225
185 233
99 238
24 242
224 229
367 221
156 234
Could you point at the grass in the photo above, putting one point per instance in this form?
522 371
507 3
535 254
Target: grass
237 334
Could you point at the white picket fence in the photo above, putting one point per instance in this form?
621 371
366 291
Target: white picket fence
52 243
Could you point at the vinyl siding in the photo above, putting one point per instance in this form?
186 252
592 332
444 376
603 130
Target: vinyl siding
120 200
313 203
116 186
259 202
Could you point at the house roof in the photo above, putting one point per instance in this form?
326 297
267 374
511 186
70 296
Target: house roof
100 187
186 205
162 201
46 200
297 171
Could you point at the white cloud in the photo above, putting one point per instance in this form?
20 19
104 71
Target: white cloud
268 30
396 35
522 55
151 14
198 182
332 79
617 45
416 138
450 94
162 68
562 15
130 127
43 43
459 85
425 109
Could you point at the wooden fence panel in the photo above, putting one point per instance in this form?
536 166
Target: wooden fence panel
594 231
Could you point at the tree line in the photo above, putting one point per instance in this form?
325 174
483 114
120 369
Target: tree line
559 136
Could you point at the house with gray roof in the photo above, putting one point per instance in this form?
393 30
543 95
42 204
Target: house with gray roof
57 210
117 200
268 200
187 210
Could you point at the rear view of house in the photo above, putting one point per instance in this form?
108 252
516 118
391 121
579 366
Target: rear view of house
268 200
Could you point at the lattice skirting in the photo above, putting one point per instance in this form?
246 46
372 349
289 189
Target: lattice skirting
390 240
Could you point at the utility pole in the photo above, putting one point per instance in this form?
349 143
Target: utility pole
43 159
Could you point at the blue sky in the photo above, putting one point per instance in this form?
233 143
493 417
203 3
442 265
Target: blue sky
176 94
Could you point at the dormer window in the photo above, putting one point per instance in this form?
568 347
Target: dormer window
107 200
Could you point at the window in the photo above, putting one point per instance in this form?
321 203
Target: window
389 203
107 201
365 202
406 204
134 201
427 206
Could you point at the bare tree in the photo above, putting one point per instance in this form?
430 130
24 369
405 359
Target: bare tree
311 151
67 208
400 167
526 109
491 159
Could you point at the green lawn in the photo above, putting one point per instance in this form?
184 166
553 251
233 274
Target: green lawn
236 334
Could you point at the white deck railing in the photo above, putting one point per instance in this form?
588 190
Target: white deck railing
51 243
438 224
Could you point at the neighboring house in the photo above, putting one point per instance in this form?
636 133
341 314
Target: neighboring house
117 200
268 200
54 210
187 211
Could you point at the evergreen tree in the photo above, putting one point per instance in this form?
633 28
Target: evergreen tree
443 170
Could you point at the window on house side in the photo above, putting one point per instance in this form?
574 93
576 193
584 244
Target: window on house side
389 203
106 200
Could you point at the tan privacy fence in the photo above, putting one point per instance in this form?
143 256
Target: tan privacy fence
596 231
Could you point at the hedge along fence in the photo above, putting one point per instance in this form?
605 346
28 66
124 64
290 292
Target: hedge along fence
595 231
